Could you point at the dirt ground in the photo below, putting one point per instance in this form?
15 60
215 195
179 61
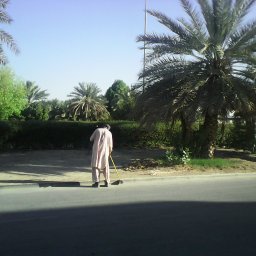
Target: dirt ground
74 165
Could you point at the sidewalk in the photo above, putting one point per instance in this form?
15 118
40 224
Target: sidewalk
72 168
64 167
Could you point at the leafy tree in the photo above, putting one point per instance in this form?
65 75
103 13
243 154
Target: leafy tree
87 104
59 110
206 64
120 100
5 38
34 93
37 111
12 94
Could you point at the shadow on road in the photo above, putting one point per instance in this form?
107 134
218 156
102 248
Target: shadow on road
48 162
164 228
58 162
43 184
227 153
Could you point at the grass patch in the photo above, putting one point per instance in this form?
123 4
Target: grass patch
214 163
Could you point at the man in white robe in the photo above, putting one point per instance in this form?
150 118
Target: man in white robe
102 148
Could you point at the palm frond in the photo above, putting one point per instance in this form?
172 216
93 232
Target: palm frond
242 37
197 37
207 13
204 64
241 9
3 3
4 17
3 59
197 23
169 23
8 40
34 93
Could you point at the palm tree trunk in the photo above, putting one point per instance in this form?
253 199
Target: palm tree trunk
186 131
250 133
208 135
86 112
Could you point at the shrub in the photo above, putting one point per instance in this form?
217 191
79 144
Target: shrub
177 156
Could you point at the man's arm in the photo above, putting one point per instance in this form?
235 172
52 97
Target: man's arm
93 136
110 143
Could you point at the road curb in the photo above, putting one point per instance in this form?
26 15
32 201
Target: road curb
125 180
20 185
194 176
42 184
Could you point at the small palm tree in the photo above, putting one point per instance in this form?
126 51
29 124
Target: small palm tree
86 102
206 64
5 38
34 93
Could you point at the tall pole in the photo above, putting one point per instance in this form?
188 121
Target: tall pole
145 32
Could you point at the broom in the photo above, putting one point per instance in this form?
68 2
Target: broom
117 182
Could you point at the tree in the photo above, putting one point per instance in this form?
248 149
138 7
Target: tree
37 107
34 93
37 111
59 110
5 38
12 94
206 63
87 104
120 100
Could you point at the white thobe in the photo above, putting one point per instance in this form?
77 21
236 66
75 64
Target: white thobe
102 147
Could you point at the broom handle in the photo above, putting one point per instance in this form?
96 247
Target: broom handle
114 166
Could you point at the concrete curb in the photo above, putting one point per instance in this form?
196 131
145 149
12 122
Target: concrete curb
42 184
195 176
126 180
20 185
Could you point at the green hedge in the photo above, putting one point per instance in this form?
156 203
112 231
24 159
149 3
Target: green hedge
69 135
75 135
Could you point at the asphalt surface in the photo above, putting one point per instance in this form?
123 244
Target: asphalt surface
193 216
47 207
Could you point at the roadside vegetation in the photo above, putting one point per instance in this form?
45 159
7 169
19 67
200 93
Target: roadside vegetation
219 163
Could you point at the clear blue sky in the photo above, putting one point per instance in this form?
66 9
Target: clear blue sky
65 42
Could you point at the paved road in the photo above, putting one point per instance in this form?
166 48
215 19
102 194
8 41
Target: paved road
195 216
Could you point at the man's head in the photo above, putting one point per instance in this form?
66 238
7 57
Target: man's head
105 126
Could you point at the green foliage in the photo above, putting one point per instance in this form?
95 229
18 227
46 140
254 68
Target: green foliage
213 163
225 135
34 93
242 134
204 67
177 156
87 104
38 134
6 38
6 131
121 100
37 111
12 94
59 110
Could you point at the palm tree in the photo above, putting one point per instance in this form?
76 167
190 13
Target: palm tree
5 38
87 103
34 93
206 64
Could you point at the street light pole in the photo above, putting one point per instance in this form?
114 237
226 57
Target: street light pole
145 31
